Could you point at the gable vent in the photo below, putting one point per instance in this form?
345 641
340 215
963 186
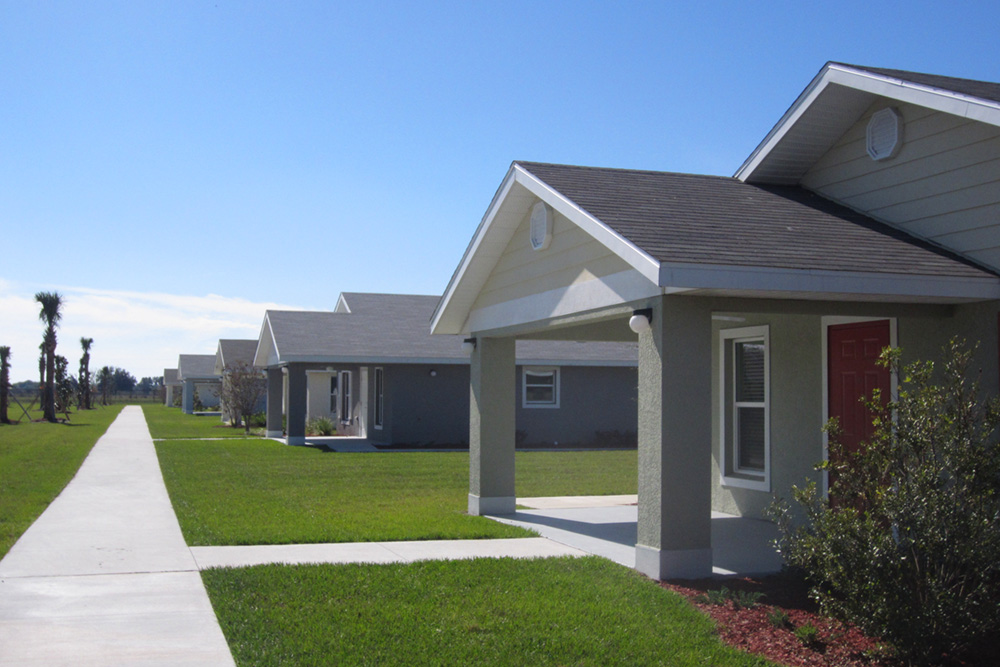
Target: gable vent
885 134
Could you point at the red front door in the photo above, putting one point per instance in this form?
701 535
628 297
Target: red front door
853 350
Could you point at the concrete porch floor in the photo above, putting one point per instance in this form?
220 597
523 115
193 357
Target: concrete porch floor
607 528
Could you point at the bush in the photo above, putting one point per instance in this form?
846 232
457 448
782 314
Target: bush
258 420
321 426
911 554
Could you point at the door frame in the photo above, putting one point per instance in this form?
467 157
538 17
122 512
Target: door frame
826 322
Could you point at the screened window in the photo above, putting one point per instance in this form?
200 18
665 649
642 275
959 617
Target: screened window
744 389
540 388
334 400
345 396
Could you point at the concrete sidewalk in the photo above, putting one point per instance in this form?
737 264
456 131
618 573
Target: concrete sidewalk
103 577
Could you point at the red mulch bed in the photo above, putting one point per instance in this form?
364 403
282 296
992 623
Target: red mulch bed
752 631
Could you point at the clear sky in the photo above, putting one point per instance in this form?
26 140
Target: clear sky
175 168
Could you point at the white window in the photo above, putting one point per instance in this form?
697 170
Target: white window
540 388
744 363
378 397
345 396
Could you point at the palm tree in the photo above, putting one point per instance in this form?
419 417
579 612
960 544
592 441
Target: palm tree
4 382
85 343
50 313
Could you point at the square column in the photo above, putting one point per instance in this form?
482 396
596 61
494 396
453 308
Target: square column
187 397
275 384
296 421
491 427
675 441
169 399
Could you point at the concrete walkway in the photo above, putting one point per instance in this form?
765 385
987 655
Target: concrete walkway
103 577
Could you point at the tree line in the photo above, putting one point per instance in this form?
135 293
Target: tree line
57 389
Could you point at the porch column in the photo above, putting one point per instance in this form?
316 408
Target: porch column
675 441
295 424
491 427
187 397
274 398
169 398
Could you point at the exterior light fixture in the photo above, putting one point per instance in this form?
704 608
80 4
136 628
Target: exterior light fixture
433 373
640 319
468 345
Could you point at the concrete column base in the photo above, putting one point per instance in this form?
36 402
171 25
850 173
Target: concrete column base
296 440
274 434
480 506
681 564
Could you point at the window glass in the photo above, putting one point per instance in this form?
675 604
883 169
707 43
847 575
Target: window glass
751 438
750 371
540 387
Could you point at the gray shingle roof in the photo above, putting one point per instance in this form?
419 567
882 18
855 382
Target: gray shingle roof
394 327
235 350
196 366
716 220
984 90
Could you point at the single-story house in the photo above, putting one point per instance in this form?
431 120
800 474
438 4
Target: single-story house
170 382
231 353
868 216
196 372
372 366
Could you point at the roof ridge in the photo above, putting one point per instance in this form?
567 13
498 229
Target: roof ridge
622 170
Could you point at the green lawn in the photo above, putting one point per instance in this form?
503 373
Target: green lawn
263 492
171 423
559 611
37 460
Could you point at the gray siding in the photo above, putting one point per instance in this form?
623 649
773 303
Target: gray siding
943 185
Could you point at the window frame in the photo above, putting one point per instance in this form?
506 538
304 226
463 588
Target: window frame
556 392
732 474
344 386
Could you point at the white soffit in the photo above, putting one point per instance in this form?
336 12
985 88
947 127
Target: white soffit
518 192
833 101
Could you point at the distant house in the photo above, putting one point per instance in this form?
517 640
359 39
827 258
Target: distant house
373 367
868 216
196 372
231 353
170 382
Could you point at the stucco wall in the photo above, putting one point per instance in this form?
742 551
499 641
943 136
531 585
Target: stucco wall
420 409
797 378
591 400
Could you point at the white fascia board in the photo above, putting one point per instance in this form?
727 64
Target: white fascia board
946 101
615 242
614 290
267 347
790 117
695 276
438 326
341 301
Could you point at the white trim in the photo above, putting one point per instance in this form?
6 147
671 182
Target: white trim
744 479
346 397
747 278
881 85
613 290
825 323
541 370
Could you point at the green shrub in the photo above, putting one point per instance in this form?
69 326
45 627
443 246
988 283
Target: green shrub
321 426
258 420
808 635
911 553
778 618
740 599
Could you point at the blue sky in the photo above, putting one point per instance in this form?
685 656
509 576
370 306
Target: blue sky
174 168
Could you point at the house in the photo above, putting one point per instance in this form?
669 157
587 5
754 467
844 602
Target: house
868 216
170 381
196 373
372 366
231 353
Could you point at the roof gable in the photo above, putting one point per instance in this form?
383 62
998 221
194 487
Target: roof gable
196 366
837 97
